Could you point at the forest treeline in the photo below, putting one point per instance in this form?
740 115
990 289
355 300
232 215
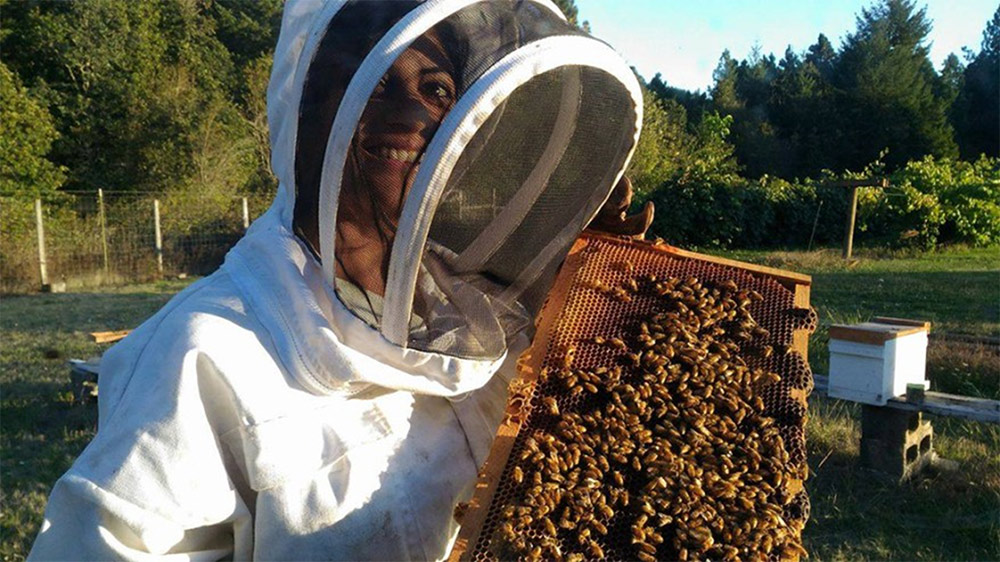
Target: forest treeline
168 97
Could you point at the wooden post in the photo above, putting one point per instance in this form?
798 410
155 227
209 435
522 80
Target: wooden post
246 214
159 239
852 213
41 245
104 227
815 224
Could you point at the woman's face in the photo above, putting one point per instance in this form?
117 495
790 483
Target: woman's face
406 108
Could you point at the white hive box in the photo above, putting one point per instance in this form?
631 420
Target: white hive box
873 361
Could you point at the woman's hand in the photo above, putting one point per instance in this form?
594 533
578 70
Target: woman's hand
612 219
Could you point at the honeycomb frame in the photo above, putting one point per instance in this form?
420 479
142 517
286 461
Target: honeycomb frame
784 312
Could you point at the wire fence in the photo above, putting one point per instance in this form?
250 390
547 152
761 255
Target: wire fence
74 239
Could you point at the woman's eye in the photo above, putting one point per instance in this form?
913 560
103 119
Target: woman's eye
439 92
383 83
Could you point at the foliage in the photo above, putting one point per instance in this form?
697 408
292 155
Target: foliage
977 107
887 88
662 145
168 97
26 135
968 194
929 202
830 109
569 9
143 92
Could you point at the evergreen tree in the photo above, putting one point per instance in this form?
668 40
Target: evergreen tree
802 108
724 96
759 149
572 14
951 80
977 112
822 56
695 103
888 98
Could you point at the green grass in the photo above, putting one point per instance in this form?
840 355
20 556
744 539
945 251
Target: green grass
42 431
940 515
957 289
943 515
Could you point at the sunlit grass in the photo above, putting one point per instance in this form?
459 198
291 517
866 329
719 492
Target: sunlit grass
42 430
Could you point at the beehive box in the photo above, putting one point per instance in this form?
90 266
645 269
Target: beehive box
588 305
872 362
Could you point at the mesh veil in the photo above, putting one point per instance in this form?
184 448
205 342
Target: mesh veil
454 207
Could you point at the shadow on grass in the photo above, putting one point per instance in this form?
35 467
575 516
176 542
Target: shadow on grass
79 312
939 515
43 431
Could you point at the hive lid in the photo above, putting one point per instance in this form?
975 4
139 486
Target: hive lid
876 333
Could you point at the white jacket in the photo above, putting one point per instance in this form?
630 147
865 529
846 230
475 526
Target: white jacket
235 422
256 417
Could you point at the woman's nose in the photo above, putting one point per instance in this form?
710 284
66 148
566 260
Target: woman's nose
407 113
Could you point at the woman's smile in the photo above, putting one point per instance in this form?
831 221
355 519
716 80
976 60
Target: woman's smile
393 153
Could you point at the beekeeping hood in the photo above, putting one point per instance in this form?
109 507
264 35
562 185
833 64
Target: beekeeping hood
535 123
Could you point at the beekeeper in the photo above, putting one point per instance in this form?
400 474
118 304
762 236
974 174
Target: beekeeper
331 391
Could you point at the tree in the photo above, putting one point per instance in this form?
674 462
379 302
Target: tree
888 98
724 96
802 107
977 111
139 90
663 145
695 103
248 30
951 80
742 90
822 56
572 14
26 135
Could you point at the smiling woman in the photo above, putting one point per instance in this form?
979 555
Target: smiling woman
474 207
330 392
405 110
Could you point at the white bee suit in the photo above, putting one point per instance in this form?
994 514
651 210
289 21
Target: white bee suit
261 414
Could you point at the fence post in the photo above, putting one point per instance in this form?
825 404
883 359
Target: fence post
852 213
246 214
104 227
41 245
159 239
815 223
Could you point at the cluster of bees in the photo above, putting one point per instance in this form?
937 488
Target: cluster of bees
663 451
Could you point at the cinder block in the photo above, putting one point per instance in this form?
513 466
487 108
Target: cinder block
896 443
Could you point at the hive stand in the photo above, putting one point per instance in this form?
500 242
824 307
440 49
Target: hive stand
896 443
895 439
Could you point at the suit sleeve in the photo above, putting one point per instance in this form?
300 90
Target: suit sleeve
156 479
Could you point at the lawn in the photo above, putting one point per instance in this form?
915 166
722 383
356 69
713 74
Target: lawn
855 516
41 430
945 514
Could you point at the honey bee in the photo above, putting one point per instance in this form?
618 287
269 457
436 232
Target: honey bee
550 405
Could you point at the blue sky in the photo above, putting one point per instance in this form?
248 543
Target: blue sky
683 39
